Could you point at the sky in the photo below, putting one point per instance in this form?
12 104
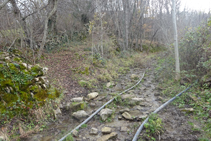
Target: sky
200 5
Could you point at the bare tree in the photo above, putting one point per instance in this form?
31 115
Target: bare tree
3 4
46 27
177 77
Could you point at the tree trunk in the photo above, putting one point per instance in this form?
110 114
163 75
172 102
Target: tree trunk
177 76
22 21
126 9
52 29
46 28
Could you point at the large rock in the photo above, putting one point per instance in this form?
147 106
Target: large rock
92 95
141 117
187 110
105 113
57 112
109 84
134 76
93 131
127 96
80 114
118 87
127 116
77 99
75 106
111 136
124 129
75 133
137 100
124 110
106 130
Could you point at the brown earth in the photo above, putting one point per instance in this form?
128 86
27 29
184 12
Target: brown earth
176 123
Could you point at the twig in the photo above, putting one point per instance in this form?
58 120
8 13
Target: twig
12 44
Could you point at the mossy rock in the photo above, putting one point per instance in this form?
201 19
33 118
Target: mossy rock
36 70
22 86
76 106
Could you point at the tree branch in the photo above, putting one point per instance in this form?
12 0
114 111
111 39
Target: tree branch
3 4
35 12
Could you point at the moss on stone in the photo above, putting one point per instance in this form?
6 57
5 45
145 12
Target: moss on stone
19 87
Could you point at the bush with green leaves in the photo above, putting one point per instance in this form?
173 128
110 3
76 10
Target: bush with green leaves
195 49
154 126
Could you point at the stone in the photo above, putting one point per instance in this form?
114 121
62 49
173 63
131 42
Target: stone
134 76
187 110
75 106
110 136
92 104
124 129
93 131
7 58
36 79
127 116
135 113
138 107
136 99
118 87
77 99
80 114
119 117
109 84
124 110
106 130
105 113
45 70
75 133
57 112
127 96
92 95
100 98
142 117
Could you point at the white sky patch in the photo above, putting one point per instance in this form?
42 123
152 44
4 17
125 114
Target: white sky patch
199 5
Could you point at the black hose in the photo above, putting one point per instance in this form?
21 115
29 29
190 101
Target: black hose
85 121
157 110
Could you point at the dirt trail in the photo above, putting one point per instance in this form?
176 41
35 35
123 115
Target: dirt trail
175 123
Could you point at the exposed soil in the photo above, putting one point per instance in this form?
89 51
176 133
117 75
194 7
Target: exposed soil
60 71
176 124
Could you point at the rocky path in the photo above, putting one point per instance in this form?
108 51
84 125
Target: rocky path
119 120
127 112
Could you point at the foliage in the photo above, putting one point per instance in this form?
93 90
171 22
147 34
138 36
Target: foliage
195 49
22 87
198 98
84 83
153 126
69 138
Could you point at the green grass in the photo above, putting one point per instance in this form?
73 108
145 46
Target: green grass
69 138
84 126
